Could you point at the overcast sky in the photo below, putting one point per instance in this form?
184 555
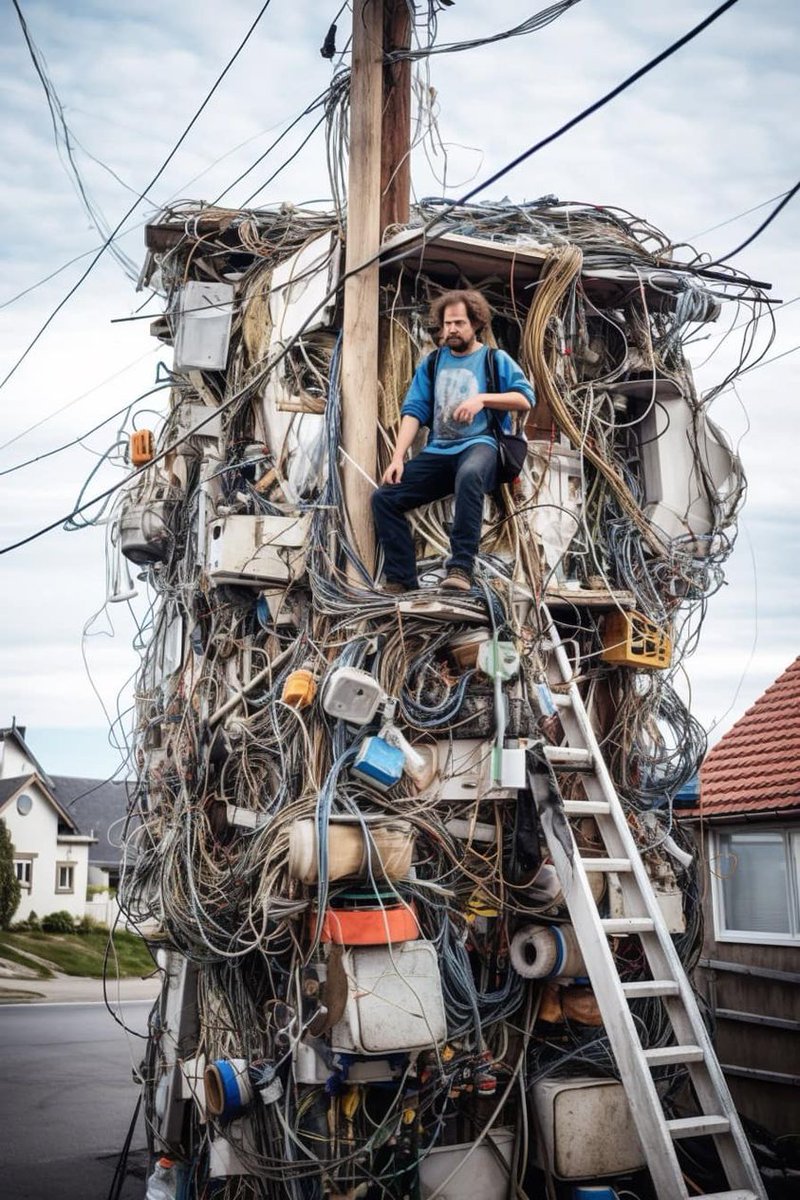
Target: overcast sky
707 136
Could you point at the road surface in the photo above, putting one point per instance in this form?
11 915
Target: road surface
66 1100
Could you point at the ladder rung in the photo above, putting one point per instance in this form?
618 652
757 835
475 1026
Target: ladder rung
569 758
627 924
697 1126
643 988
606 864
586 808
663 1056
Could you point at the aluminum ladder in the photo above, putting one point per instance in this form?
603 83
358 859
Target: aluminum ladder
692 1046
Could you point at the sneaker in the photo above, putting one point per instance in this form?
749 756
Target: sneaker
392 587
457 580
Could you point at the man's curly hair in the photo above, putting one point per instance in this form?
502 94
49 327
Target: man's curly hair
478 310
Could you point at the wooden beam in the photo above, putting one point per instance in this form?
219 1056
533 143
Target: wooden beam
360 324
396 122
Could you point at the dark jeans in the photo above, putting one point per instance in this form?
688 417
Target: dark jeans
468 476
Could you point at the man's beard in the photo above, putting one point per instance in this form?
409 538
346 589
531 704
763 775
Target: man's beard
456 342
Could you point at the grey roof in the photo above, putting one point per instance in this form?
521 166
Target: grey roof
18 733
95 805
8 787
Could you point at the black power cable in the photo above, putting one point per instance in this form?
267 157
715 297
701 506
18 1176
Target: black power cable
379 257
120 1171
315 103
757 232
139 198
601 103
81 437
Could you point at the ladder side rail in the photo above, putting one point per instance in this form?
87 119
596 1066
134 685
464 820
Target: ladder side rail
713 1094
644 1101
709 1082
743 1168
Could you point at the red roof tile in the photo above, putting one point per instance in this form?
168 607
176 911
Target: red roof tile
755 767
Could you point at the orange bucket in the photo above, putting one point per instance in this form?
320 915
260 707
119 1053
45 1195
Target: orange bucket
370 926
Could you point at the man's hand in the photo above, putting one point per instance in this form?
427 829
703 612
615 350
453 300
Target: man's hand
394 471
468 410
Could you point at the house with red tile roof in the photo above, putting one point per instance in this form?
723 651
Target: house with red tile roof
747 821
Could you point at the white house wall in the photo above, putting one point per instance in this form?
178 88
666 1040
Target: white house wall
36 834
12 761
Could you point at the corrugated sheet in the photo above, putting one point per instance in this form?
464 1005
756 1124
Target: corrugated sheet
755 767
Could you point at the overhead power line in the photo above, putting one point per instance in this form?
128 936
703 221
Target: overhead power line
730 220
558 133
75 400
77 441
142 195
601 103
315 103
766 361
530 25
757 232
63 136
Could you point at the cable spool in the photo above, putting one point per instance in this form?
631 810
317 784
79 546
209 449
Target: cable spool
228 1089
387 853
546 952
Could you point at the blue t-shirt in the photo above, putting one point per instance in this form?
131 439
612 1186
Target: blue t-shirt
458 377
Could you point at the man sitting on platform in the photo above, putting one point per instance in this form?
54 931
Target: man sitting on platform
450 394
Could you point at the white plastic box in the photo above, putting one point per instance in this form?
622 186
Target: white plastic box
482 1175
351 694
465 770
309 1068
585 1128
204 325
394 1000
673 439
252 551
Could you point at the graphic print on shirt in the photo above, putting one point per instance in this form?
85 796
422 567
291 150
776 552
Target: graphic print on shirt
454 385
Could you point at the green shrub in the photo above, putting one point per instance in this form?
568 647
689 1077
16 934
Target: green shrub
9 884
58 922
88 924
31 924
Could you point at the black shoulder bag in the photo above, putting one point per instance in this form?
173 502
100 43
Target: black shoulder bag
512 448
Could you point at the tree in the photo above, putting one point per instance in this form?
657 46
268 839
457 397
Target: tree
9 884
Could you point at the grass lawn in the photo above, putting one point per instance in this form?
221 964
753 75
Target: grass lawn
8 952
81 954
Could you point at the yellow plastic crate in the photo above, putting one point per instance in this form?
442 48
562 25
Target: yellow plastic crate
630 639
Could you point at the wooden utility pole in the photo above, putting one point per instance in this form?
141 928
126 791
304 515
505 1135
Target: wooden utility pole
360 325
396 125
380 105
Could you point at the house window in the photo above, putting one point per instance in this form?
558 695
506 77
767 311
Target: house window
24 804
65 877
23 869
757 885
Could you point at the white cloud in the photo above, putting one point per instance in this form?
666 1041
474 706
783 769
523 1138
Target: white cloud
705 136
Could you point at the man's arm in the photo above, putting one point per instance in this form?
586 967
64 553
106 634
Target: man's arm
505 401
515 394
406 434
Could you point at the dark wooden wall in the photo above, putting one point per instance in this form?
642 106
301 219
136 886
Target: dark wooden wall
755 1045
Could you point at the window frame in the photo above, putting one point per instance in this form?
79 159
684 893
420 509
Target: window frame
65 866
790 834
24 860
